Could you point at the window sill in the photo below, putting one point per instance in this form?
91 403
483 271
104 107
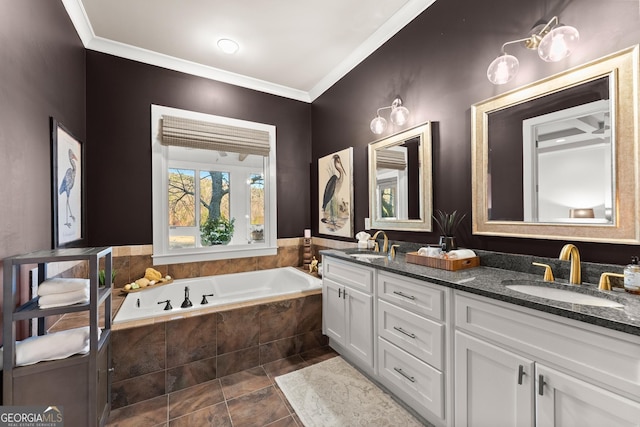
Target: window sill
229 252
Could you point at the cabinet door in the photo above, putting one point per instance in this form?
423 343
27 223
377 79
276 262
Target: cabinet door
493 387
333 310
566 401
359 325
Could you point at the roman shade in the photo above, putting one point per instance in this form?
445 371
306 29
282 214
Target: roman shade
390 159
182 132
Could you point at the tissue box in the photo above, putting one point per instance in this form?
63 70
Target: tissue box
443 263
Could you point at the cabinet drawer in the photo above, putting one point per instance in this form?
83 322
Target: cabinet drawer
348 273
415 334
602 355
414 295
418 384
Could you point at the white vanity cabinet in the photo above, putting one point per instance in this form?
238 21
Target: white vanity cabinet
411 342
347 301
516 366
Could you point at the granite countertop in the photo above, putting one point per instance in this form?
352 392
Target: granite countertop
487 281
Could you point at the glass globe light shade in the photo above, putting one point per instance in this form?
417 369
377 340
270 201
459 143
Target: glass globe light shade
503 69
558 43
378 125
399 115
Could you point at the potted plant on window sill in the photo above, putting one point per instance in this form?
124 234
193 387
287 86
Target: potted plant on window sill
448 223
217 231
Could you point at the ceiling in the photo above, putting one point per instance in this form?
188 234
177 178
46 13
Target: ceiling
292 48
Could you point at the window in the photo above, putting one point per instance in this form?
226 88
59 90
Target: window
211 201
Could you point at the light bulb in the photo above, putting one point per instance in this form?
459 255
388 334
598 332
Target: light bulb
503 69
558 43
378 125
399 115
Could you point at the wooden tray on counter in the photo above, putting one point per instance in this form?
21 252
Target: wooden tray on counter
443 263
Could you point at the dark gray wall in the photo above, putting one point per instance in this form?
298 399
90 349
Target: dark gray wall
438 65
42 74
119 97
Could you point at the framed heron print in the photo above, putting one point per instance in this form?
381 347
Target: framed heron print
67 178
335 189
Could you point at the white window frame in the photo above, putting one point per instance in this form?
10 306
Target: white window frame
162 254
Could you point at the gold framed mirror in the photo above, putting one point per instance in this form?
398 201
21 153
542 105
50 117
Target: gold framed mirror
559 158
400 177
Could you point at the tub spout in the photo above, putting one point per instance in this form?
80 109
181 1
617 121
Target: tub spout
204 298
187 302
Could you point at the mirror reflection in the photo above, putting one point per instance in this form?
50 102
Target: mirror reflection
551 158
400 181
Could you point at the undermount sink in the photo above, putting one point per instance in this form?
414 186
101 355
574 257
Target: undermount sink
367 256
563 295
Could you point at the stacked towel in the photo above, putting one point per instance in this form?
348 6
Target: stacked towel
62 292
53 346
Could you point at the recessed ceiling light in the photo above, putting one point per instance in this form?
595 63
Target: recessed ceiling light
228 46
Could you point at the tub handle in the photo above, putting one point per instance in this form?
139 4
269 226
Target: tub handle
204 298
168 306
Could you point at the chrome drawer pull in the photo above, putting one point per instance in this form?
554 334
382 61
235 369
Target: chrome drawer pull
409 334
411 297
401 372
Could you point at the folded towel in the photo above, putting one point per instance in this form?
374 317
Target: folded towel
62 285
53 346
60 300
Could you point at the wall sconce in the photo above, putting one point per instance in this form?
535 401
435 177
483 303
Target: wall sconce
398 116
581 213
553 40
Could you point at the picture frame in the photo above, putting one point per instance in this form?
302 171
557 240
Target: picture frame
335 191
68 189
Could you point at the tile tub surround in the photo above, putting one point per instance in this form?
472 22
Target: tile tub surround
487 281
164 357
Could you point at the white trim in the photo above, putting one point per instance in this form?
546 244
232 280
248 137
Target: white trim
399 20
161 254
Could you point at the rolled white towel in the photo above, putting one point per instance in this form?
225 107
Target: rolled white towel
461 253
62 285
61 300
53 346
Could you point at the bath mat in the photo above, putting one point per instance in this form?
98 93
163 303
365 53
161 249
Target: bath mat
333 393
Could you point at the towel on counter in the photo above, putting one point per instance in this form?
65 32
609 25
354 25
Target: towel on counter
461 254
53 346
61 300
62 285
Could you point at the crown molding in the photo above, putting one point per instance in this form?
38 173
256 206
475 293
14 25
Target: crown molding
80 20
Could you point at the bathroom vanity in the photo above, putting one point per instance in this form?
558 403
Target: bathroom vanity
461 348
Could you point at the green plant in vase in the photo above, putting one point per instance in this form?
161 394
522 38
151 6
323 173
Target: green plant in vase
217 231
448 223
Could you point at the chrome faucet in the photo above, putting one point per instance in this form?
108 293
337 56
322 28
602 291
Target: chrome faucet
385 245
570 251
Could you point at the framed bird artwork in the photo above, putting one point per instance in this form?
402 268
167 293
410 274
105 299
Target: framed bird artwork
335 189
67 178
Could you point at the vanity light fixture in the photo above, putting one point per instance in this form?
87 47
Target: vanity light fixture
553 41
399 115
228 46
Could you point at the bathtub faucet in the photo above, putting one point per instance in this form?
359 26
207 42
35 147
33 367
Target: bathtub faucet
187 302
204 298
168 304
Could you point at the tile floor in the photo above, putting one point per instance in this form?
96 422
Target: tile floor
249 398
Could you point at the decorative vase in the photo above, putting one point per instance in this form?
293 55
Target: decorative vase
448 243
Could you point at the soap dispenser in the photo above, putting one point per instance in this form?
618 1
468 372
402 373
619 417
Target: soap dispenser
632 276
